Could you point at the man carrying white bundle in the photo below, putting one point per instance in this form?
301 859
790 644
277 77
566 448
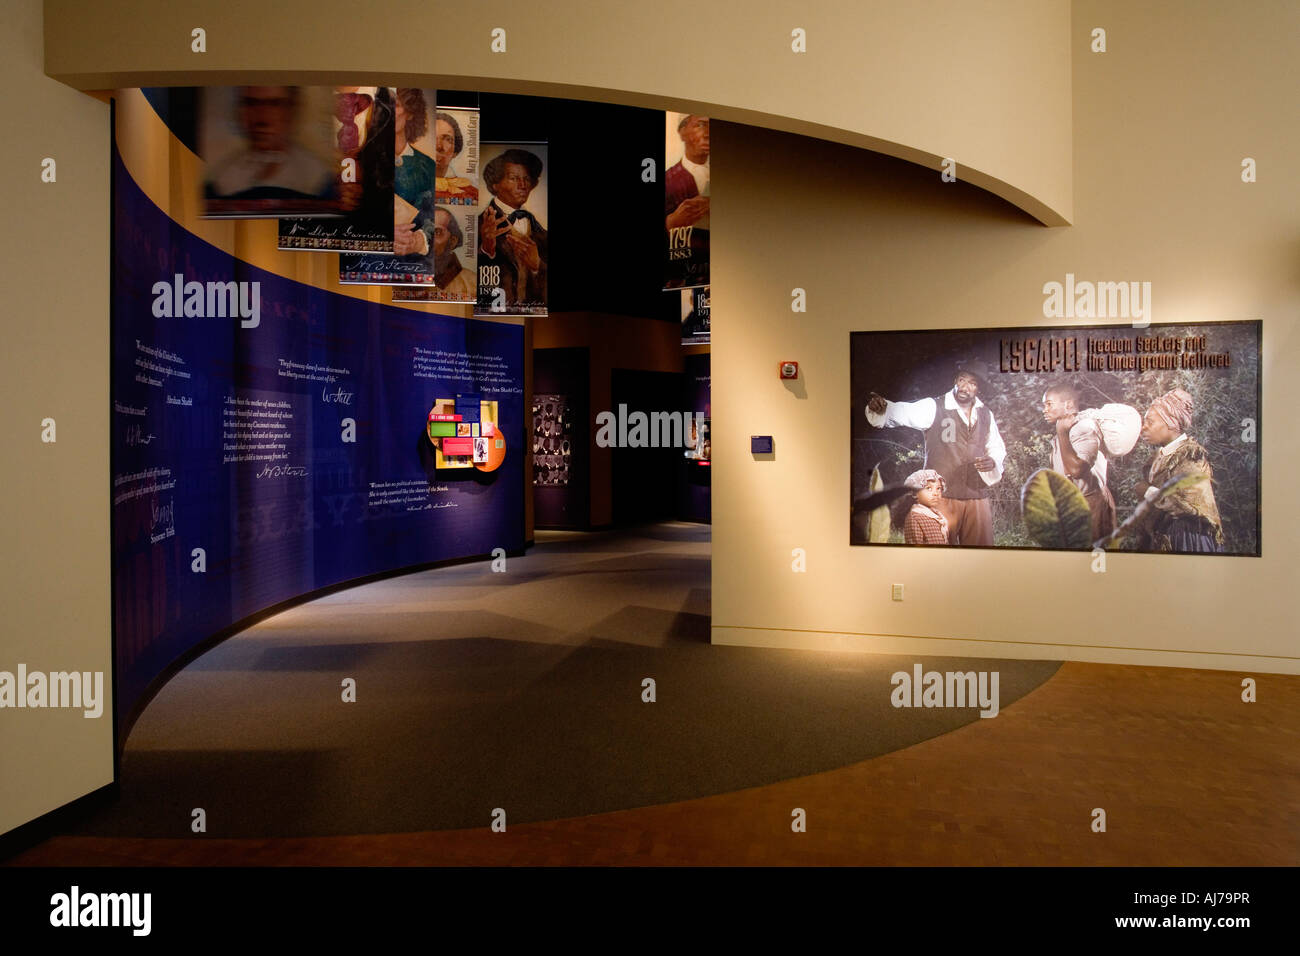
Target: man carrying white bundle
1080 445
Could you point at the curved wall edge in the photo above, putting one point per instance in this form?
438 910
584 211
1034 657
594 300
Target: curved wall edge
170 175
261 455
202 646
988 85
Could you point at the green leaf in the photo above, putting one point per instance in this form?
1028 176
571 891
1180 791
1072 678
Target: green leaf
1132 524
1055 511
880 499
878 525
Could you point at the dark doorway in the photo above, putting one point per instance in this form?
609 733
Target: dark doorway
645 479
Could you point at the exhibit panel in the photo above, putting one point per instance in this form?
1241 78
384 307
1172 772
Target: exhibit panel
561 437
695 316
514 244
410 259
363 129
271 439
695 472
1109 437
271 151
452 210
686 202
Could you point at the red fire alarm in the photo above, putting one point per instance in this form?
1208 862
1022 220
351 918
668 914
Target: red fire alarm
789 369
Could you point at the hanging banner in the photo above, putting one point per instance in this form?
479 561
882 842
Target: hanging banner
686 200
513 247
695 316
363 136
456 211
414 201
269 151
1075 438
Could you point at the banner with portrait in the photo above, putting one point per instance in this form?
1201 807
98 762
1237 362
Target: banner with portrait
513 244
269 151
686 200
363 137
415 174
1083 438
695 316
455 217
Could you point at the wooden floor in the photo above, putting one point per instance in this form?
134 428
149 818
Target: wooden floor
1187 773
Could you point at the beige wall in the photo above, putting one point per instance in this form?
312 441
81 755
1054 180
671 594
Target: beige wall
925 79
54 502
1161 124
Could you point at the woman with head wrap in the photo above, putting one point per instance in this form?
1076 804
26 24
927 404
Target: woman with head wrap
1186 519
926 523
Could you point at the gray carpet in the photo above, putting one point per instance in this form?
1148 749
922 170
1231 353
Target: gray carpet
519 690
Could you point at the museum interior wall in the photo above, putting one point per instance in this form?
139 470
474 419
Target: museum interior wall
1162 122
877 243
54 269
922 81
257 462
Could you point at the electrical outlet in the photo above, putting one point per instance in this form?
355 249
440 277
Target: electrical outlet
898 592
